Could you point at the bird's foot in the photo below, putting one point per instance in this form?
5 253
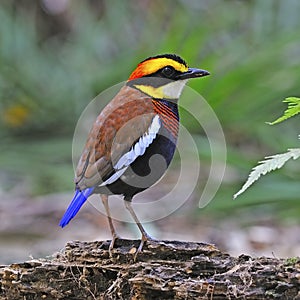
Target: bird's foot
111 245
144 239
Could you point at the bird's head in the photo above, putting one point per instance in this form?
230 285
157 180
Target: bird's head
163 76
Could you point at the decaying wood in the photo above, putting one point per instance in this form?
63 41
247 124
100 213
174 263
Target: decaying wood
164 270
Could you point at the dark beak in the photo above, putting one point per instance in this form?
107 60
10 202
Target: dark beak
193 73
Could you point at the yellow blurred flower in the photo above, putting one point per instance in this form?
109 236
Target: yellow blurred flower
15 115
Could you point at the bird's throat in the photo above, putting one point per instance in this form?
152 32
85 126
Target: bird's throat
172 90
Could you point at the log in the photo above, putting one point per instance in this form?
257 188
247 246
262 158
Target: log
164 270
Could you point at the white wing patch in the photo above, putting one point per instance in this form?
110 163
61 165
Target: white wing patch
114 177
137 150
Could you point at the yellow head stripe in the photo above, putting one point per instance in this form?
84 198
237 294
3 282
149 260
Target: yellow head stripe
153 65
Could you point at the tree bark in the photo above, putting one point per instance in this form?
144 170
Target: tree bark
164 270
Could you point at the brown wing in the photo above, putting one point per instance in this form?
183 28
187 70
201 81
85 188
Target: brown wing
121 123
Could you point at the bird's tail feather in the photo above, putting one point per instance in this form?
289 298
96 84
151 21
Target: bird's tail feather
79 198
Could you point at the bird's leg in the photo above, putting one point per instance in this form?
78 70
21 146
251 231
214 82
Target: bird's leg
145 236
104 199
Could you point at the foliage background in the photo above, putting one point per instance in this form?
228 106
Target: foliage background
55 56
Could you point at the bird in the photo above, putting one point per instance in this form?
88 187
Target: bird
133 139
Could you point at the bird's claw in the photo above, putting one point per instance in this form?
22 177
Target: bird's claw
111 245
144 239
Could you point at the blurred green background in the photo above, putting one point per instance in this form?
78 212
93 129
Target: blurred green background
57 55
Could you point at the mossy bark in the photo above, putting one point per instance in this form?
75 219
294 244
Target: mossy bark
164 270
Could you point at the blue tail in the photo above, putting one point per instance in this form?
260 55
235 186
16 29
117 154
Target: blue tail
79 198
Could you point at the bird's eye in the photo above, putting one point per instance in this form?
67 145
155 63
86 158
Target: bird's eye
168 71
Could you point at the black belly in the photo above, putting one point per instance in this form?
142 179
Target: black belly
146 169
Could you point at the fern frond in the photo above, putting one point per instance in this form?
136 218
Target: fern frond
292 110
270 163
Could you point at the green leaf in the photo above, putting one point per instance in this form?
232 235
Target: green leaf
292 110
270 163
